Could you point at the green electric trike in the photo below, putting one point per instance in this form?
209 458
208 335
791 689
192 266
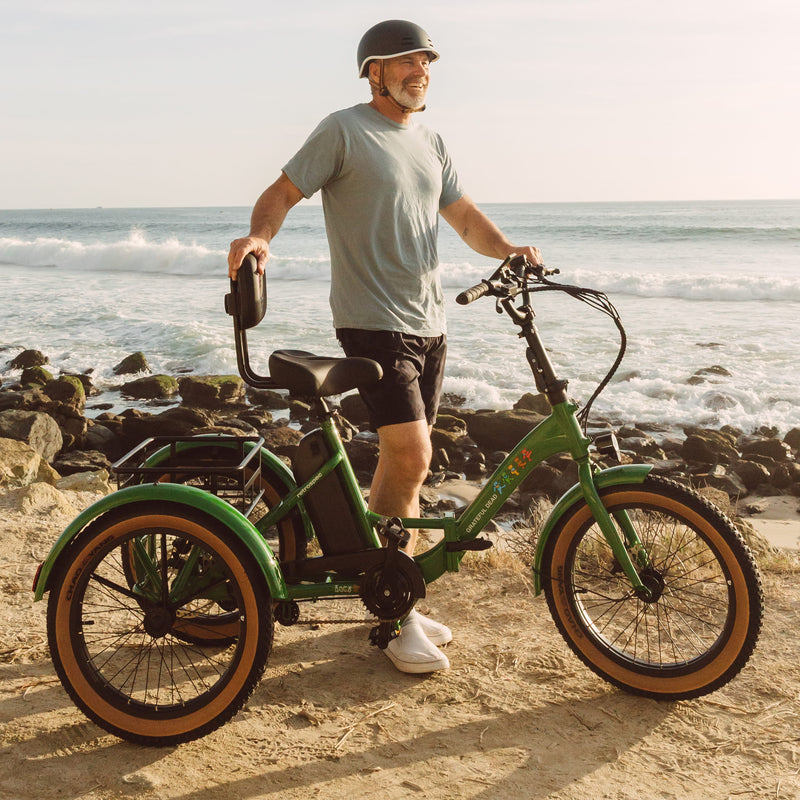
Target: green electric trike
163 595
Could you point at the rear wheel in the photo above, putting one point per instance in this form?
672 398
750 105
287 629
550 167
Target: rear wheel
701 623
119 649
287 537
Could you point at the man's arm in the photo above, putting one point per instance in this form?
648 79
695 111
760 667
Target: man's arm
481 234
268 215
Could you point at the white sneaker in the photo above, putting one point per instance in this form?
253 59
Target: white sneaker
412 651
437 633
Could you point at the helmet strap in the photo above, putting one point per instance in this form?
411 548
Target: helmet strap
383 91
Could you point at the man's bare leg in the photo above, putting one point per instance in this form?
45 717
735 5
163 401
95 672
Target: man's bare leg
405 454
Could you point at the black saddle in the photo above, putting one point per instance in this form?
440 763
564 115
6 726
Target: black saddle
308 375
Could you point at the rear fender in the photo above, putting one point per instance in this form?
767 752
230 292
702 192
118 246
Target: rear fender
614 476
180 495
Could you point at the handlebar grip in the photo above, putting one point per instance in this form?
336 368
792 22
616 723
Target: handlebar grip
473 293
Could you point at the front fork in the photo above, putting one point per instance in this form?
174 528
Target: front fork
623 547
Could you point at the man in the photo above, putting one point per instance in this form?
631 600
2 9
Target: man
384 181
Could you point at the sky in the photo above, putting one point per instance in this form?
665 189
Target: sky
197 103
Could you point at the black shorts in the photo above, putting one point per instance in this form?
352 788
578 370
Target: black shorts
413 370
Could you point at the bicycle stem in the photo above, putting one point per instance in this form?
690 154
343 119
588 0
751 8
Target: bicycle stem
555 389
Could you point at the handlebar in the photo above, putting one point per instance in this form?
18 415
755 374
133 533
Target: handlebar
512 273
473 293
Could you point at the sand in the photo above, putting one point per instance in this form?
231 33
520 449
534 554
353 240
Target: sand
517 715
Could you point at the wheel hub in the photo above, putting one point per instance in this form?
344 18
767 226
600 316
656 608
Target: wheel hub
158 621
654 583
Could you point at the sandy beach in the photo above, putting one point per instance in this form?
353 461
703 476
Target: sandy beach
516 715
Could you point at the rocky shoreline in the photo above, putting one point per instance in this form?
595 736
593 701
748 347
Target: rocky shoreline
45 434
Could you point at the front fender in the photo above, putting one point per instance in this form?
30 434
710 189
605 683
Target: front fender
179 494
614 476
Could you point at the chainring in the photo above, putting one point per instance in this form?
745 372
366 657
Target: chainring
388 594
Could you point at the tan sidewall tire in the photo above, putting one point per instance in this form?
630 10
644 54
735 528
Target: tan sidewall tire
97 705
691 683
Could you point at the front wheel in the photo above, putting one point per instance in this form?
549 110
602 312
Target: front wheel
120 649
701 623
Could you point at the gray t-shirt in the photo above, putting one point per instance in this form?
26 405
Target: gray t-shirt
383 184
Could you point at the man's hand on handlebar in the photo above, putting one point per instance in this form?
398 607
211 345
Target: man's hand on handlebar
241 248
533 254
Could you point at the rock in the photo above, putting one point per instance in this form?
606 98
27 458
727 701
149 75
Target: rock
42 497
35 376
152 387
132 364
101 437
212 391
95 481
501 430
792 438
727 482
82 461
354 410
771 448
786 475
363 455
35 428
706 446
751 473
533 402
28 358
702 374
19 463
264 398
281 440
180 421
68 391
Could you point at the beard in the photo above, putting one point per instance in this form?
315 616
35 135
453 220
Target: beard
405 96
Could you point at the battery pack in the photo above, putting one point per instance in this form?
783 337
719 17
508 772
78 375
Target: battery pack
327 502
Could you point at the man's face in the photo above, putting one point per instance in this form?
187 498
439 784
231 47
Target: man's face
406 78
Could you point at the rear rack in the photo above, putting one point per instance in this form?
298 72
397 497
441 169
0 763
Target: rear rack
231 471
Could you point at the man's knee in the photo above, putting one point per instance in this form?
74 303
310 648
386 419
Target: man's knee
406 450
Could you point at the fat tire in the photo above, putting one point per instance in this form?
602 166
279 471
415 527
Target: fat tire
137 680
703 628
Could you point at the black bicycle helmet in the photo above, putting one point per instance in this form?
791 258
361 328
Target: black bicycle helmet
393 37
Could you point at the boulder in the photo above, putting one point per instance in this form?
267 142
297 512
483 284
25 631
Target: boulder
264 398
132 364
180 421
43 498
282 440
751 473
354 410
28 358
82 461
363 455
533 402
20 464
93 481
792 438
35 428
706 446
152 387
68 392
212 391
771 448
501 430
35 376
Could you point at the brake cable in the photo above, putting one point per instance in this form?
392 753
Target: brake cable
600 302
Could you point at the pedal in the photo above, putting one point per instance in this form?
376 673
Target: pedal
472 544
394 532
383 633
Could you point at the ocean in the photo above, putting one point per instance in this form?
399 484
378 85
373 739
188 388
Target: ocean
698 285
